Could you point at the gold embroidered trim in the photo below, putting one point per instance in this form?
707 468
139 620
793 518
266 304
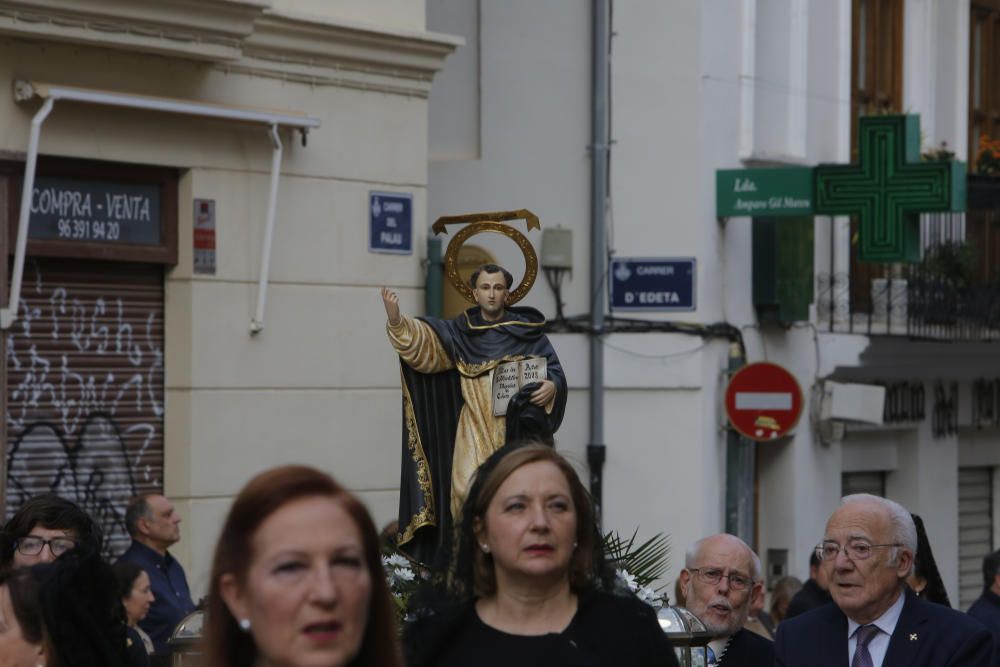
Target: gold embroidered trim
426 515
506 323
475 370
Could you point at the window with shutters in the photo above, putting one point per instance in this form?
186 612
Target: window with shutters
975 530
984 73
876 88
876 59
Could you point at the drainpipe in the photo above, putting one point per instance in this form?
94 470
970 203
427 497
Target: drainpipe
599 146
740 464
433 294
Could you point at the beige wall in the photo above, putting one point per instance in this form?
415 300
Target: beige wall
384 13
319 385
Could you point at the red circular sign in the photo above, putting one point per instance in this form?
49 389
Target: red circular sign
763 401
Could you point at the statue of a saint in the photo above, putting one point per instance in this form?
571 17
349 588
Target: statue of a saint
450 420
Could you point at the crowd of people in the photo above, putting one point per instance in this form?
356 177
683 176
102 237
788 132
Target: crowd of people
297 580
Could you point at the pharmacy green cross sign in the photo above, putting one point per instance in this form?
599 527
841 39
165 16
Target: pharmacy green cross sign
889 187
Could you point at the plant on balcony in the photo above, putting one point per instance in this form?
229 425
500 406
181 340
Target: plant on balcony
988 156
953 263
938 154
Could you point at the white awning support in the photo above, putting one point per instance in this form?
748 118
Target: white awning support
265 252
26 90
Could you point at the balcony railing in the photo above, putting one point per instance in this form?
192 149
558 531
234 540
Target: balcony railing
953 293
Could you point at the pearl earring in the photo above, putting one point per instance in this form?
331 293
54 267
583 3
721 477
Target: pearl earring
485 548
245 624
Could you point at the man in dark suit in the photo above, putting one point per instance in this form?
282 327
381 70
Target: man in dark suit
986 609
876 620
719 579
813 593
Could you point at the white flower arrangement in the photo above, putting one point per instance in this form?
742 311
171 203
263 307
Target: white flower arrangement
638 566
403 578
644 593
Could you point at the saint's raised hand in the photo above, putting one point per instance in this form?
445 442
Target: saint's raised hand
391 301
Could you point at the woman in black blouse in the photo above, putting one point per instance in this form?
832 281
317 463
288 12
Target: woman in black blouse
524 590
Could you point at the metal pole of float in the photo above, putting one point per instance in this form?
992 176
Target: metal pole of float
434 296
740 454
599 147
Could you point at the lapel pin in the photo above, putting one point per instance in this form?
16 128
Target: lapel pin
913 636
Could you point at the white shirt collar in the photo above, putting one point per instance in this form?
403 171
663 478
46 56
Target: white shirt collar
887 621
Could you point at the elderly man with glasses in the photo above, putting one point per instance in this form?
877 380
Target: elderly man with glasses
876 620
719 579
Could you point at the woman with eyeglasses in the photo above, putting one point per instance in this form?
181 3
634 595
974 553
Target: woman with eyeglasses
526 588
43 529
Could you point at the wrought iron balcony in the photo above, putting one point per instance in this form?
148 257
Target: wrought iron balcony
952 293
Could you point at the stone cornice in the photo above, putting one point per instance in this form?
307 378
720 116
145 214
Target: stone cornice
348 50
211 30
241 35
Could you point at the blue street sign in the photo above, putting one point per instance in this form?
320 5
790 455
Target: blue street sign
390 222
652 284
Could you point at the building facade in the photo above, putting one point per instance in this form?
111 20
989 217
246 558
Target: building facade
697 87
141 356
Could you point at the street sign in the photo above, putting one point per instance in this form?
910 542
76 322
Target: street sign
390 223
763 401
764 191
652 284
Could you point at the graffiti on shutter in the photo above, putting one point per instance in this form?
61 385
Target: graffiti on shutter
85 388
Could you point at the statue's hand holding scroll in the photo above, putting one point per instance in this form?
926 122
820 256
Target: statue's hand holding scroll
391 301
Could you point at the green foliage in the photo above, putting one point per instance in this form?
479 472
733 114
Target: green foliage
646 562
939 154
953 261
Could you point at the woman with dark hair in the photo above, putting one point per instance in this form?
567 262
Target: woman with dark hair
136 594
925 579
66 613
297 579
43 529
525 586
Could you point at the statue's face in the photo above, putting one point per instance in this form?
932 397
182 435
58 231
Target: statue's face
491 295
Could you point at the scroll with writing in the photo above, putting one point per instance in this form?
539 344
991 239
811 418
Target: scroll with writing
509 377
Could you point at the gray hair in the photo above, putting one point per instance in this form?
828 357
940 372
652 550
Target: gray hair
138 508
757 574
691 556
903 530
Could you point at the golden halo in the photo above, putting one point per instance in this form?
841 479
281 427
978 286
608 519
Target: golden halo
530 259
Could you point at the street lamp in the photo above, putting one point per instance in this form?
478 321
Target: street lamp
686 633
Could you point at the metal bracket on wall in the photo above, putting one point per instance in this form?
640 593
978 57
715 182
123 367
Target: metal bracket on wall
273 120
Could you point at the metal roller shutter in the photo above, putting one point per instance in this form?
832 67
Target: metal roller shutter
85 387
975 530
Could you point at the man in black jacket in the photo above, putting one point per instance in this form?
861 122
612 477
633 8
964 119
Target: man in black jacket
814 593
719 579
986 609
876 620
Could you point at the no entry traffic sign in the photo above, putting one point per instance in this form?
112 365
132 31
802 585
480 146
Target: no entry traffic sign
763 401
